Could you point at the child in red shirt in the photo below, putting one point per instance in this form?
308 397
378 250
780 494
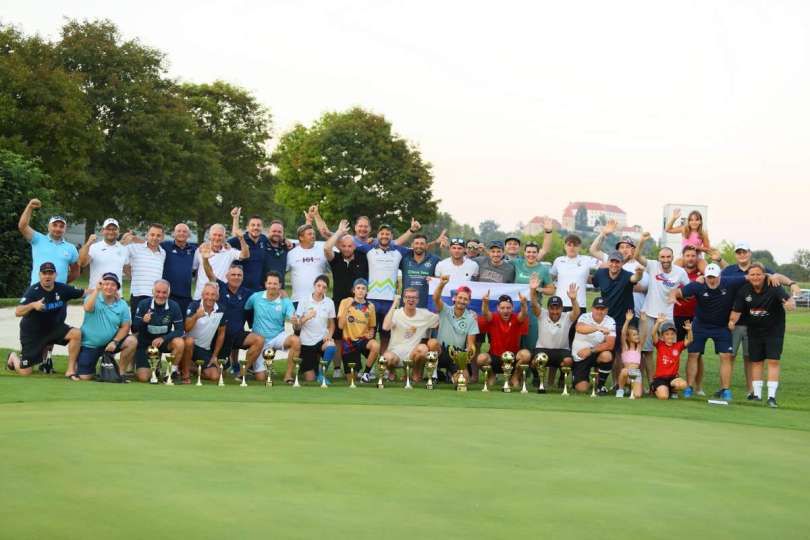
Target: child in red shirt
668 357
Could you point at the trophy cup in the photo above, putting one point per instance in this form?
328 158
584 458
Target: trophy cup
381 372
485 369
632 376
351 375
242 362
540 363
594 375
566 371
430 366
199 372
154 359
408 363
268 355
461 382
323 363
460 359
297 362
507 360
221 371
169 359
523 389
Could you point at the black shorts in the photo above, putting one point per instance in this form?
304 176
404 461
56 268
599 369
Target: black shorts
765 345
582 369
496 364
679 329
555 356
661 381
142 358
33 347
199 353
88 358
311 357
233 342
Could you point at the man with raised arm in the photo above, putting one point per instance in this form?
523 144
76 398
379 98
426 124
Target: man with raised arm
253 265
626 246
458 328
554 327
223 256
51 248
107 256
504 330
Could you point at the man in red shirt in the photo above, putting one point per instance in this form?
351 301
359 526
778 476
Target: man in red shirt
504 330
668 357
685 309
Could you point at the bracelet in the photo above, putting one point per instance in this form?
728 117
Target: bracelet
548 232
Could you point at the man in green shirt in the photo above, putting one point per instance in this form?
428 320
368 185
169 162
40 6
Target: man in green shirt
525 267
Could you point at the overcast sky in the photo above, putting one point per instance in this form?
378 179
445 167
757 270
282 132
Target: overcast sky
525 106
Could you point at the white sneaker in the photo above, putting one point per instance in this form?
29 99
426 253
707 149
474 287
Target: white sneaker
337 373
364 378
701 392
620 393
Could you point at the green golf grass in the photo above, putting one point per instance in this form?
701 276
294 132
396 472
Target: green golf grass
90 460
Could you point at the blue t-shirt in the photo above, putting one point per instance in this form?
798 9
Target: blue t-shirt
714 305
253 266
234 306
44 249
101 324
178 267
618 293
269 315
414 274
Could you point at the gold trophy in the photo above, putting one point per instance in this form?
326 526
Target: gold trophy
540 364
381 372
507 362
408 362
594 375
221 371
460 359
268 355
632 376
199 372
523 389
485 369
430 366
566 371
297 362
323 363
242 363
169 359
154 358
351 365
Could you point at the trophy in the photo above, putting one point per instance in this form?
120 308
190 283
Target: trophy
169 359
242 362
351 374
221 371
297 362
381 372
594 375
460 359
199 372
523 389
485 369
408 363
323 363
633 375
268 355
461 382
507 360
154 358
430 366
540 363
566 371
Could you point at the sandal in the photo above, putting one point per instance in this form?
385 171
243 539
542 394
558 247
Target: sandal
289 381
73 377
186 380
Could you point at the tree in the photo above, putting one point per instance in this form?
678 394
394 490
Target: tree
581 219
445 222
802 258
20 181
489 230
351 164
765 257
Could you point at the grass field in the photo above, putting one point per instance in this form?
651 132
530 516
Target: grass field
89 460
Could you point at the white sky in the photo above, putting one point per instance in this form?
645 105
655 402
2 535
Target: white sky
634 103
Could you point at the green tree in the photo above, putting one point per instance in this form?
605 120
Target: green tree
351 164
20 181
802 258
765 257
488 231
581 219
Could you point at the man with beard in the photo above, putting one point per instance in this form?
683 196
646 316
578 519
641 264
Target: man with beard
107 256
256 241
222 256
684 311
306 261
492 268
275 255
417 267
362 229
458 267
458 327
51 247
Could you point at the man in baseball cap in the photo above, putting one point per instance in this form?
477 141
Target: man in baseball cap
51 247
553 329
492 268
593 346
511 248
107 256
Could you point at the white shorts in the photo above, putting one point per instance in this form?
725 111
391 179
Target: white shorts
276 343
401 354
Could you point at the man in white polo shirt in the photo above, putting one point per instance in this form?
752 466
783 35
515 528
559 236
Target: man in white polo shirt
306 261
573 268
146 266
205 326
106 257
223 256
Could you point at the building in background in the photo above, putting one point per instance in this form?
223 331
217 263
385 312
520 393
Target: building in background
582 215
675 241
535 226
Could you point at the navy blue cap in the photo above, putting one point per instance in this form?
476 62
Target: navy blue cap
599 302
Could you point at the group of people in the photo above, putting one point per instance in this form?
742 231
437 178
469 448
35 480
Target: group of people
203 303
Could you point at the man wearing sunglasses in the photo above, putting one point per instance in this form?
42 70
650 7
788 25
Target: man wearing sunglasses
457 266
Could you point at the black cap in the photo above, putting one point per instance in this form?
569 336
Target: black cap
599 302
495 243
47 267
112 277
555 301
515 238
615 256
504 298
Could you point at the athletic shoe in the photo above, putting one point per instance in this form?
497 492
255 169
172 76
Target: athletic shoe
701 393
541 390
320 379
688 392
620 393
718 394
602 391
772 403
46 366
365 378
752 397
726 394
371 375
673 395
337 373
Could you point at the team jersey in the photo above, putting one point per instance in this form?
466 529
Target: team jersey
360 318
668 359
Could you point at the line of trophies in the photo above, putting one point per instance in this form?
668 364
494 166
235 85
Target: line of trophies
460 358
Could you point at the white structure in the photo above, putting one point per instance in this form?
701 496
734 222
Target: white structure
675 241
594 211
535 226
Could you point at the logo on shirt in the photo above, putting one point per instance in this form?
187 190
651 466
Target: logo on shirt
748 298
665 281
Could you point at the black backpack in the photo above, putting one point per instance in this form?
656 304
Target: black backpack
108 371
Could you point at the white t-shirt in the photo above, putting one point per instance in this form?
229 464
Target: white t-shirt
146 268
551 334
383 268
593 339
659 287
221 262
466 271
569 270
106 258
315 330
638 297
407 332
305 265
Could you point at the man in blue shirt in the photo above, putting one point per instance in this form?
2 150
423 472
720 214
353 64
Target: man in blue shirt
51 247
257 242
178 269
275 255
158 323
417 266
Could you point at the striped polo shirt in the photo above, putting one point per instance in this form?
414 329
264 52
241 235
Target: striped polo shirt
147 267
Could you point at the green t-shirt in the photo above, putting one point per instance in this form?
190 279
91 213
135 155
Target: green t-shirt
101 324
453 331
523 273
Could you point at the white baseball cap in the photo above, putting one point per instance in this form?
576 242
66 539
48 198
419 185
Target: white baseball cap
742 245
712 270
110 221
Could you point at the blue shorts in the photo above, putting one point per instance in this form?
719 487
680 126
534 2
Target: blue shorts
88 358
381 309
720 335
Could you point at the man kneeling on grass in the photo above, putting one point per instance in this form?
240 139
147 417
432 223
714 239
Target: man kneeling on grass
668 357
43 308
205 327
105 328
158 323
408 326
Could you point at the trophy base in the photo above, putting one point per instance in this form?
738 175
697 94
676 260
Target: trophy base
541 390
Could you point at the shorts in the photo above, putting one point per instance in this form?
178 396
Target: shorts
555 356
351 352
233 342
496 364
766 345
721 337
446 363
582 369
276 343
679 329
740 337
88 358
33 347
199 353
647 346
401 354
310 357
661 381
141 356
381 309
